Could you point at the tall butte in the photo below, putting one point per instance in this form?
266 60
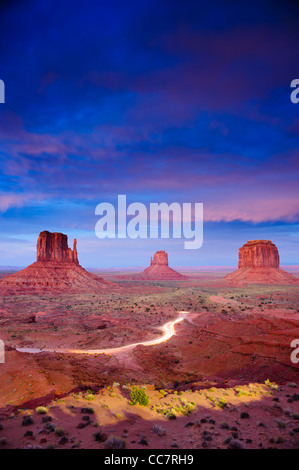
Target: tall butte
159 269
56 268
259 264
53 247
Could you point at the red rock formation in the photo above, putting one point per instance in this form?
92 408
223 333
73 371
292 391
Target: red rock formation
57 267
259 254
54 247
160 258
259 264
159 269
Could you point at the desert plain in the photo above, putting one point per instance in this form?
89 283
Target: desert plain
225 379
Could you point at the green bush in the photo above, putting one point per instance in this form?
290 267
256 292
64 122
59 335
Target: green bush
138 396
271 385
170 415
41 410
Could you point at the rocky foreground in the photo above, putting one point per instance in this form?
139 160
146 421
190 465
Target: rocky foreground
257 415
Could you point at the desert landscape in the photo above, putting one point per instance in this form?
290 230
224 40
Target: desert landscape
154 359
149 270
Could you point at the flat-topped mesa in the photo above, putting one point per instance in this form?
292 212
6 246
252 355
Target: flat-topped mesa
159 269
160 258
54 247
259 254
259 264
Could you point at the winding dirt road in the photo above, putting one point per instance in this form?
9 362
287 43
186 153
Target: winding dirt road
167 328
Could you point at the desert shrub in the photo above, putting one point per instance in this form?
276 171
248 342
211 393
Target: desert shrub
236 444
280 424
50 427
224 425
27 420
50 446
241 392
59 431
100 436
41 410
138 396
221 403
159 430
114 442
76 444
211 398
87 411
271 385
89 396
190 406
170 415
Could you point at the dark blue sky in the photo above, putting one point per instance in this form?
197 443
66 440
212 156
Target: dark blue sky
159 100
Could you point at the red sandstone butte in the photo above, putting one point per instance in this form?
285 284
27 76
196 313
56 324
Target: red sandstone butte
159 269
56 268
54 247
259 264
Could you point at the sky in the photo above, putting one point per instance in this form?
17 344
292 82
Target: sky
163 101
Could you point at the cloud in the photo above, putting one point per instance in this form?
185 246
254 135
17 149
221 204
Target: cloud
9 200
150 99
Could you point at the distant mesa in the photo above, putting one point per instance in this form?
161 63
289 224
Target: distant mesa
160 258
57 268
159 269
259 264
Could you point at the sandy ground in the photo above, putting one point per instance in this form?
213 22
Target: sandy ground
232 337
251 416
